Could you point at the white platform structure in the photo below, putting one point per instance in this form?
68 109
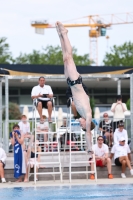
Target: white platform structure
49 143
54 156
72 162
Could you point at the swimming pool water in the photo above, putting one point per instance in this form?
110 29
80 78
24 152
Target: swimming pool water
83 192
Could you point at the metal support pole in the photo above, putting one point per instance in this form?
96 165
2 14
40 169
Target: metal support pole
119 87
131 108
1 112
6 115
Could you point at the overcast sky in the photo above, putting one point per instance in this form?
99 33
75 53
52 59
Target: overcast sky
16 16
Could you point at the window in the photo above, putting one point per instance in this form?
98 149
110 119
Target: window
13 91
25 91
62 100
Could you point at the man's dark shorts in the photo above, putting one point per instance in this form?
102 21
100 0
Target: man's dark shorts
117 162
44 103
72 83
3 164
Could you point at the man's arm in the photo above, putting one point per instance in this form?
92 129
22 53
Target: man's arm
113 107
123 105
106 155
21 139
37 96
50 95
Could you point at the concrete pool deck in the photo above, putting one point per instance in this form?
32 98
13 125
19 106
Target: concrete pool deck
66 183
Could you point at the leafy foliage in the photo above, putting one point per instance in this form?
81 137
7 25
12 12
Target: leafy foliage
120 55
5 55
14 112
128 104
50 55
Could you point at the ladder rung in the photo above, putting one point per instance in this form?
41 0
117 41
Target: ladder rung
49 152
72 152
45 133
82 172
48 173
46 163
75 162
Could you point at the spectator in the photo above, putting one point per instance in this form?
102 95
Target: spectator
65 137
69 94
64 123
105 127
25 130
2 164
43 94
17 140
62 136
120 132
121 153
101 155
118 109
43 136
32 160
24 125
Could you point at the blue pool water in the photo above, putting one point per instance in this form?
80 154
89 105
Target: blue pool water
84 192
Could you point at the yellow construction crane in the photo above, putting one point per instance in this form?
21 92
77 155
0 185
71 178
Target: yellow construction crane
98 25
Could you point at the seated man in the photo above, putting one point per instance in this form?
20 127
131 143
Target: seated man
74 80
106 127
102 158
2 165
120 132
121 153
43 94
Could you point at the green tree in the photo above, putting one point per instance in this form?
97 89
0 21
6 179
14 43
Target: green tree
50 55
5 55
128 104
120 55
14 112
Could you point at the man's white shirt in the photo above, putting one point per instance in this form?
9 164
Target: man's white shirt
118 135
118 113
24 128
2 155
100 151
46 89
120 151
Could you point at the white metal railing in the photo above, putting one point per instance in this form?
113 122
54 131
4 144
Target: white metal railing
50 134
86 162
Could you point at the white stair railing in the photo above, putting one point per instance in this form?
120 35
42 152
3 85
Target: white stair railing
85 163
50 152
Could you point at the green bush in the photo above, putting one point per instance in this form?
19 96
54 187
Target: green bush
128 104
14 112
